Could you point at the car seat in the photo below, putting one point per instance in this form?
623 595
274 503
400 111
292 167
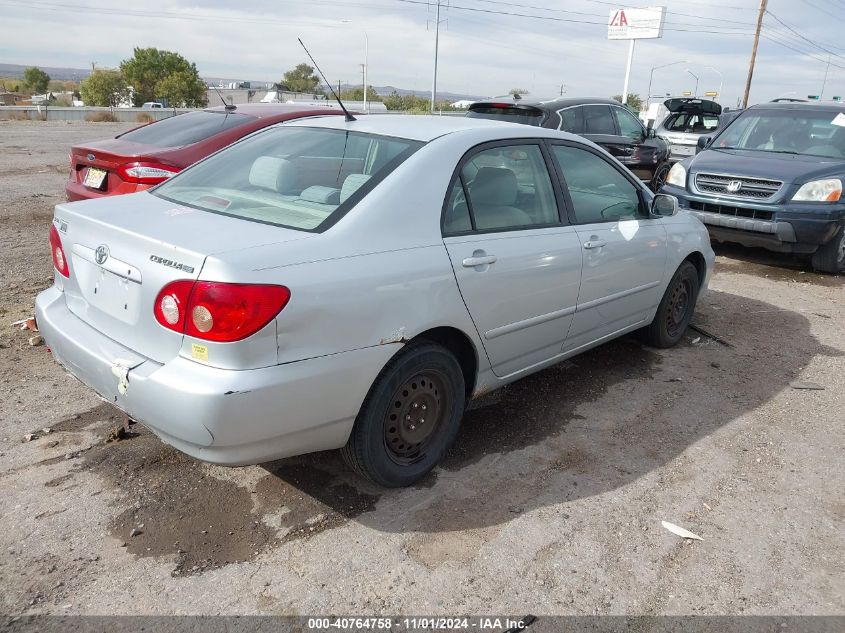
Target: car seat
493 194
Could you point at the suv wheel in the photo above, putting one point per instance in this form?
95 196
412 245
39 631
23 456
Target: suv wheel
830 257
410 417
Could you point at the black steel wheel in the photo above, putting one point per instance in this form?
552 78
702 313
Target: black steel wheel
409 418
676 308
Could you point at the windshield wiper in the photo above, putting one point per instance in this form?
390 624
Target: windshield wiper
782 151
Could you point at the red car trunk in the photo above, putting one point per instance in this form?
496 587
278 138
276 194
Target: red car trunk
145 156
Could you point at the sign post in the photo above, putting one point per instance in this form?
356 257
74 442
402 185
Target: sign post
632 25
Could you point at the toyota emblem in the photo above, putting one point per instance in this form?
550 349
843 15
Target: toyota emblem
101 254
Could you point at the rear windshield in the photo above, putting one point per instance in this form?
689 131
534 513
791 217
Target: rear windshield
691 123
185 129
526 116
297 177
787 131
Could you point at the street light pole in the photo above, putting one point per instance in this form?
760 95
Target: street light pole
695 92
366 68
651 77
721 81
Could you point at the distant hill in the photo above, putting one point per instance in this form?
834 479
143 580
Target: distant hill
78 74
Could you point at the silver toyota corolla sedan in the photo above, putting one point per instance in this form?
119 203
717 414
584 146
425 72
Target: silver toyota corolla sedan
328 284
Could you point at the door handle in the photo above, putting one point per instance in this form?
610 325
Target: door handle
595 244
472 262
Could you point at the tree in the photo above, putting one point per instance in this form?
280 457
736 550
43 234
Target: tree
104 88
301 79
149 66
635 102
36 80
182 90
357 94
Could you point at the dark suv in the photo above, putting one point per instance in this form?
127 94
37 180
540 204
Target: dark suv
773 178
604 121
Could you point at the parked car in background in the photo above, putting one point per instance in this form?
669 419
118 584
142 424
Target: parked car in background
604 121
774 179
326 284
690 118
152 105
143 157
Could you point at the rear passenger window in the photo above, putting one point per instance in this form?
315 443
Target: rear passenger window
570 120
598 120
456 215
506 187
599 193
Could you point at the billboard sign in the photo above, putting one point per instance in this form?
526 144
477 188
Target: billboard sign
636 24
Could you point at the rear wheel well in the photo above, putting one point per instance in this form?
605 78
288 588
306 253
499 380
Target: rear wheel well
461 346
697 260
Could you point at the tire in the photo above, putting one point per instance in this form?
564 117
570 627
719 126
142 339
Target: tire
659 178
830 257
675 310
390 443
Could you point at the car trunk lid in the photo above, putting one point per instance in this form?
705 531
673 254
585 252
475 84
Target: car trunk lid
123 251
107 156
693 105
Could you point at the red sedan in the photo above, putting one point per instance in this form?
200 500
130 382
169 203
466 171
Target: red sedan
143 157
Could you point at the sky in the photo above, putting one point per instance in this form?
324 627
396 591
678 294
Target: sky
486 47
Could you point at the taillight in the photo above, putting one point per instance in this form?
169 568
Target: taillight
216 311
146 173
59 259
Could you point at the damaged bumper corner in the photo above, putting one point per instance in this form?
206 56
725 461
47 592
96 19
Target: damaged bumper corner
230 417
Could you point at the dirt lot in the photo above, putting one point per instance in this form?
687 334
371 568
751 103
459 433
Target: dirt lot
550 502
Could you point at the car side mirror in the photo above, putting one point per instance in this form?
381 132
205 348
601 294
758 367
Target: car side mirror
664 206
651 133
702 143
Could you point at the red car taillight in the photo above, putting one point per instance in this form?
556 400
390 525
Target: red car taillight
146 173
59 259
216 311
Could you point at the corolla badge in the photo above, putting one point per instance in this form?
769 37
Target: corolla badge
90 157
734 186
101 254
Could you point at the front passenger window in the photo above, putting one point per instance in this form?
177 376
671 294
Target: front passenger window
628 125
599 192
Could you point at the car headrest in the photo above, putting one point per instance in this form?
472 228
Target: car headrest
276 174
494 185
351 184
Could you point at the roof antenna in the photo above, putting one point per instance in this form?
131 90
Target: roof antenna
349 117
229 106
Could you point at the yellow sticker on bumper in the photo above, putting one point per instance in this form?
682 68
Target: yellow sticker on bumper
199 352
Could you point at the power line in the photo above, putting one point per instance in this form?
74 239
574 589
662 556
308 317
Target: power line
818 46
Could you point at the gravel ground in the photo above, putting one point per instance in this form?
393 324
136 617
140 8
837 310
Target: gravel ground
551 501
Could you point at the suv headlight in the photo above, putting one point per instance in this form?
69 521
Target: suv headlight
828 190
677 176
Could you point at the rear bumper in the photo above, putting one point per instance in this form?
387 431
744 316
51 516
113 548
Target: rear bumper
77 191
222 416
788 228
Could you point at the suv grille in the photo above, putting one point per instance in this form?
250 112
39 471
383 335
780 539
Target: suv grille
749 188
739 212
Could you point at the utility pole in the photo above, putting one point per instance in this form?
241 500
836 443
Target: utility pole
763 5
436 50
